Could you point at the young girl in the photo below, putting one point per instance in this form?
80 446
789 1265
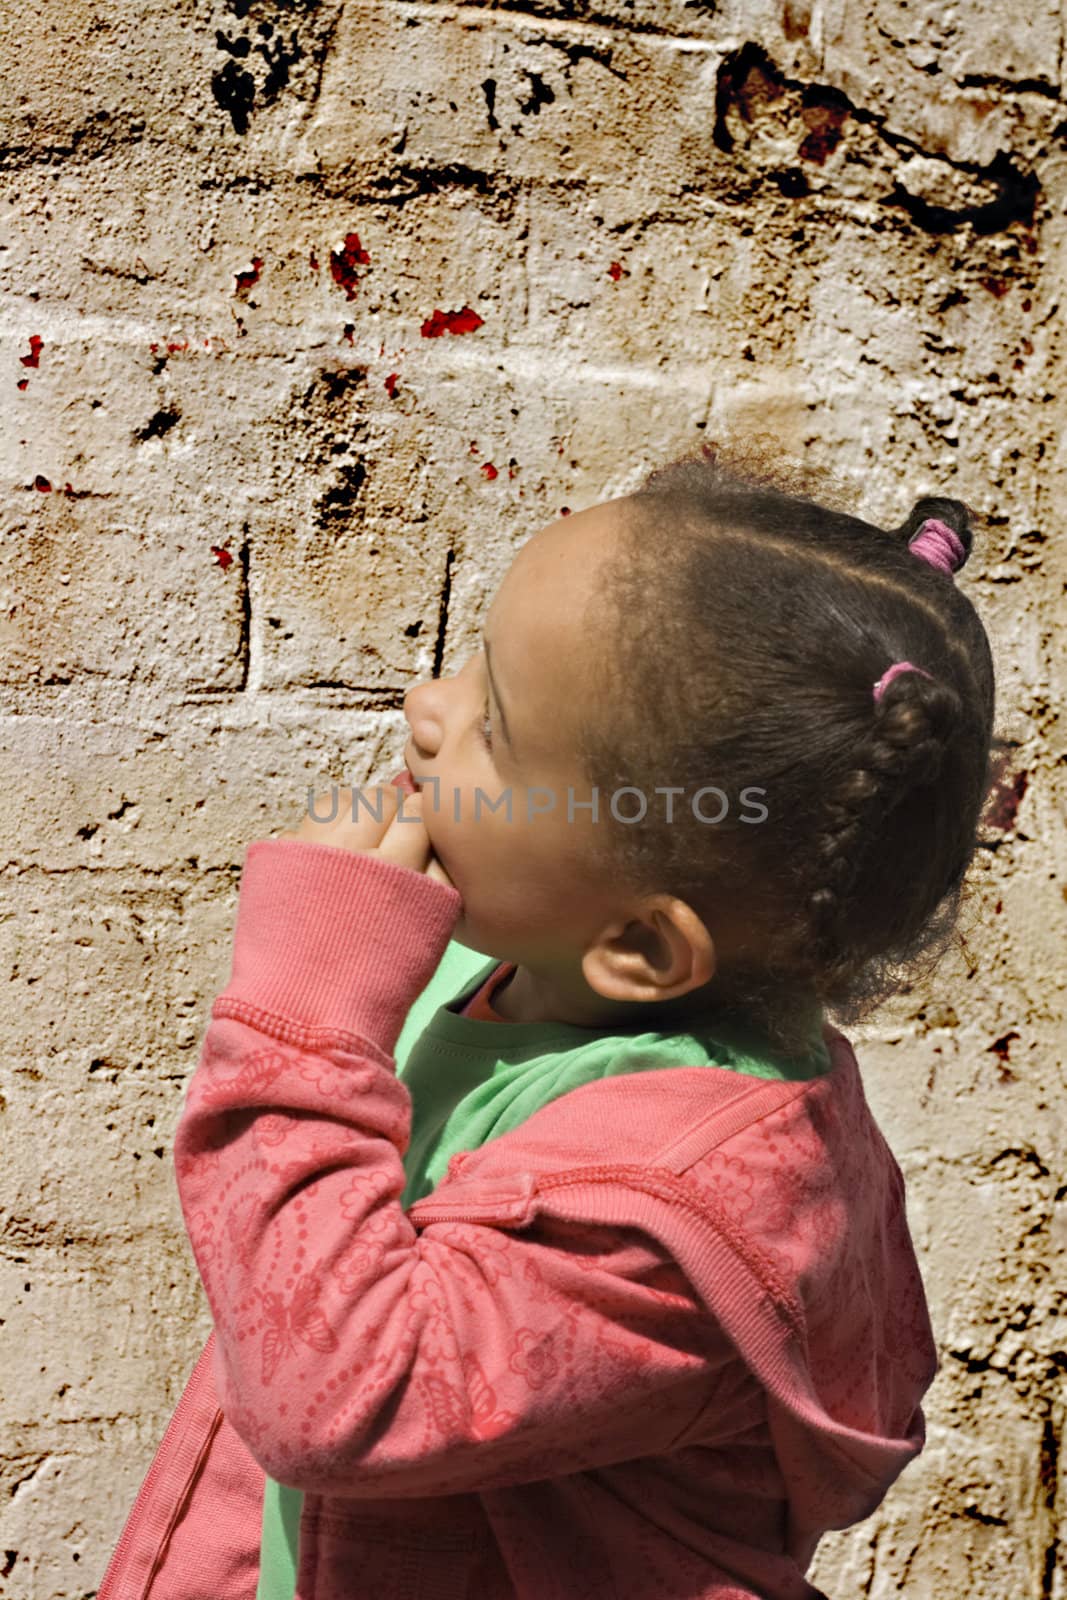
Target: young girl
551 1246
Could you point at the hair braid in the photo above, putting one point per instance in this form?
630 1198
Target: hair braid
903 752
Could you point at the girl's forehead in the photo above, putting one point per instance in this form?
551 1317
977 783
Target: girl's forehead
543 598
563 557
542 645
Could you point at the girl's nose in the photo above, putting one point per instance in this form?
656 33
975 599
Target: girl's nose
423 714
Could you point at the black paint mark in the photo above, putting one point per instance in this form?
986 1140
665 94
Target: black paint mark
336 504
603 55
156 426
542 95
234 87
236 47
278 62
340 381
489 90
235 92
791 182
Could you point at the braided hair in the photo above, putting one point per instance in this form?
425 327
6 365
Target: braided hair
749 622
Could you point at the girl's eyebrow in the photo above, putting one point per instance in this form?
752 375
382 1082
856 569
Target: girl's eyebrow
496 696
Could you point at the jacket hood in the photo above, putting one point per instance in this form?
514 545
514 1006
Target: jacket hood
784 1206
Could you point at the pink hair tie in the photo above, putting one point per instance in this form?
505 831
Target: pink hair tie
894 671
939 545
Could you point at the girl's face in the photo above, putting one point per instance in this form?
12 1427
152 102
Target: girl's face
506 725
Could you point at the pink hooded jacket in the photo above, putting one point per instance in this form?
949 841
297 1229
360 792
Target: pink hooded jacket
648 1345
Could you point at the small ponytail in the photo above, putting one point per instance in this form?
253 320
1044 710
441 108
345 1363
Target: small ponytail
955 513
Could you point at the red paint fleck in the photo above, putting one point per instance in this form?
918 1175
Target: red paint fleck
465 321
1004 800
489 470
381 352
223 557
996 286
314 260
153 348
24 383
43 484
343 263
615 270
391 383
824 123
474 447
34 357
182 345
243 281
512 467
349 332
564 511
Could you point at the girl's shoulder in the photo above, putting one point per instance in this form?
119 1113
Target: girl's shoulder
689 1122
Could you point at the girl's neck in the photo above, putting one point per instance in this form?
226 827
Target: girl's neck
525 997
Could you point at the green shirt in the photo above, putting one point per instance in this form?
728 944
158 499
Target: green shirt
471 1080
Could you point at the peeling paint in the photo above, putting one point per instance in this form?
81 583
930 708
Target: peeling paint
465 321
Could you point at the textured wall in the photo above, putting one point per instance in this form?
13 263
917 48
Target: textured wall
311 314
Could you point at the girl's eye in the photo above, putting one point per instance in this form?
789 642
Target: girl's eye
484 730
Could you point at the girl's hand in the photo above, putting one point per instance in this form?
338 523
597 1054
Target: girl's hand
402 839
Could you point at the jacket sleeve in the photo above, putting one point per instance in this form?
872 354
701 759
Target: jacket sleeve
355 1354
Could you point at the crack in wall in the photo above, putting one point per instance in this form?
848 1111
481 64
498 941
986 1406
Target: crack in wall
244 647
749 80
442 614
1048 1469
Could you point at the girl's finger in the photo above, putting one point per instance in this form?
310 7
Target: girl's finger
420 855
437 872
405 840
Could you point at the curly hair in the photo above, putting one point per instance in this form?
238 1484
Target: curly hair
749 623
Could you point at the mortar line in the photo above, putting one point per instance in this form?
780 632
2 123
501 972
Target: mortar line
564 28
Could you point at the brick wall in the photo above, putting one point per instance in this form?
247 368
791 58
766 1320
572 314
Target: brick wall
310 316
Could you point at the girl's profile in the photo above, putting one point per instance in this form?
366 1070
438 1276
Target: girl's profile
552 1246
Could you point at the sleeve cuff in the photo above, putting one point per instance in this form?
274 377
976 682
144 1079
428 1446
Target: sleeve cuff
334 938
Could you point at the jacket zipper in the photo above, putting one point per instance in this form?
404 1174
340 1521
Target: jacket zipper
132 1521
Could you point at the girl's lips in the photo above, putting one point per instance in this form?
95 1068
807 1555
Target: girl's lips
405 781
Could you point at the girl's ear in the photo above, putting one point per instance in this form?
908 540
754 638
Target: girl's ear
659 954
